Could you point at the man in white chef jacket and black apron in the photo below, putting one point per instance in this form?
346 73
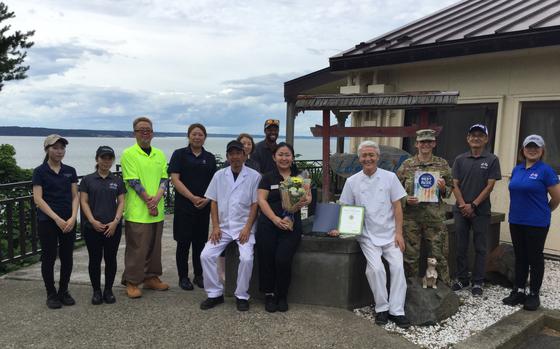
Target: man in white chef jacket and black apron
233 195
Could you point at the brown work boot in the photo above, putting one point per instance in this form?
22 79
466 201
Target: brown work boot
132 290
154 283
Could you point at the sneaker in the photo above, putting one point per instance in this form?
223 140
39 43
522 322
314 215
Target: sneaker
198 281
186 284
382 318
270 303
154 283
400 320
210 303
242 304
282 304
514 298
66 298
476 290
97 298
53 302
532 302
132 290
109 297
458 285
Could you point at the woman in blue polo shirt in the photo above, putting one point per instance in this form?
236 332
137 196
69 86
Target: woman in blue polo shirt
55 192
102 204
529 219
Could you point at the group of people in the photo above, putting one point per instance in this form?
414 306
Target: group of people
244 204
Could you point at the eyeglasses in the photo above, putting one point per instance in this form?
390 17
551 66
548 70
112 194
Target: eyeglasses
144 130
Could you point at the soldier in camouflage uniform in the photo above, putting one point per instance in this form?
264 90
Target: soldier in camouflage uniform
423 220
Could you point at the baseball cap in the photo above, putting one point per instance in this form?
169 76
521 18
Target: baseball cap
425 135
104 150
538 140
235 144
479 127
52 139
271 122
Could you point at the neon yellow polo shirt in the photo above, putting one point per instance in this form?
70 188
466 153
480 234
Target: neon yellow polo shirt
149 169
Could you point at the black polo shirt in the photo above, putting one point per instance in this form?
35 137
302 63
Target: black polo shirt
102 195
195 172
271 181
57 189
263 156
473 174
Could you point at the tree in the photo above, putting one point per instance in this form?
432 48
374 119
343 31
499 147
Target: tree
9 170
12 49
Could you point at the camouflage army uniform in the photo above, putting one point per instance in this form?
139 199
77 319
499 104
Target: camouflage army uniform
425 220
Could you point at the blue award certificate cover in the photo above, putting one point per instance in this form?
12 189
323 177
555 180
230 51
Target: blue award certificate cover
326 217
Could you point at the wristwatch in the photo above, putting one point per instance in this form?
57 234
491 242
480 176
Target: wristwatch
473 205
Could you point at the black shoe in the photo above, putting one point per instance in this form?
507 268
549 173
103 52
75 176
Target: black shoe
270 303
458 285
381 318
242 304
514 298
186 284
476 290
282 304
400 320
97 298
53 302
532 302
198 281
210 303
108 297
65 298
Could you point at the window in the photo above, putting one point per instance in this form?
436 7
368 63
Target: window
456 121
542 118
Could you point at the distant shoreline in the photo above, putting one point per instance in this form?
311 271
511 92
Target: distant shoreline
42 132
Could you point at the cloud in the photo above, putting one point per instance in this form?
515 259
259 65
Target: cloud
58 59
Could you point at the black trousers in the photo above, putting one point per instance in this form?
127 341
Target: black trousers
275 252
479 225
187 230
53 240
101 247
528 244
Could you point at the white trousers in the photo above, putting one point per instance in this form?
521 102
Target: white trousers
375 273
209 258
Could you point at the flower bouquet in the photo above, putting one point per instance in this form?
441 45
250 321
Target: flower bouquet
292 189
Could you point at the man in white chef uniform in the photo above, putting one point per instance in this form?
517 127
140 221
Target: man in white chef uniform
380 191
233 210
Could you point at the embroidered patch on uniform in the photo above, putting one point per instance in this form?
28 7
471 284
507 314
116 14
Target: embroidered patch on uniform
67 175
534 175
484 165
113 186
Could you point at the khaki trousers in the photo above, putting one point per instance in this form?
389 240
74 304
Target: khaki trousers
142 256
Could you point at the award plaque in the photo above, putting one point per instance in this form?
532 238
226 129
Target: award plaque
351 220
425 186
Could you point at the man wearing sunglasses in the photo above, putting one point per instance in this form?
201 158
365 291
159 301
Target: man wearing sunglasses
265 148
144 170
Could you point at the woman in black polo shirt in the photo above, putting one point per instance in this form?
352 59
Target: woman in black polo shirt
276 243
55 193
102 203
191 169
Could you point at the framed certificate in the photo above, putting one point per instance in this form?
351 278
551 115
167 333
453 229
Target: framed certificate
351 220
425 186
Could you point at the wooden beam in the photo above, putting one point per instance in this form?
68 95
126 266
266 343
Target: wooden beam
326 154
371 131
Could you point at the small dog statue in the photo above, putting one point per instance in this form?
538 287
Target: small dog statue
430 279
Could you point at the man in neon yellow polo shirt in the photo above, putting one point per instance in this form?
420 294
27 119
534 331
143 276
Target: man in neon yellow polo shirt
144 171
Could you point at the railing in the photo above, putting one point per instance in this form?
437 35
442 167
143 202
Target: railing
18 220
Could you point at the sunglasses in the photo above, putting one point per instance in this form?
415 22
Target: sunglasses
271 122
144 130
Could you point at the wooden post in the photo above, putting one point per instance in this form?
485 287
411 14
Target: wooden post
290 122
424 118
326 154
341 118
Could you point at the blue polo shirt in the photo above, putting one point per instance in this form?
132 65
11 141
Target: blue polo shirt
57 189
529 195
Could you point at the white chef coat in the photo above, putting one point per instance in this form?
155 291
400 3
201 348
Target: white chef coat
234 198
376 193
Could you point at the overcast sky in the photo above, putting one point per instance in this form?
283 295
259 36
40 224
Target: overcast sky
98 64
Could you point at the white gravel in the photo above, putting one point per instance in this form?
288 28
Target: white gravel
475 313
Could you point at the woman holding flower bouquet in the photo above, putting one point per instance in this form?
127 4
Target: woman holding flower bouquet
279 226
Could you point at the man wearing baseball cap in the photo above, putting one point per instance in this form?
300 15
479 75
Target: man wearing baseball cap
265 148
233 209
474 175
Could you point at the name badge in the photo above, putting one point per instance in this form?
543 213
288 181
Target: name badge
274 186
